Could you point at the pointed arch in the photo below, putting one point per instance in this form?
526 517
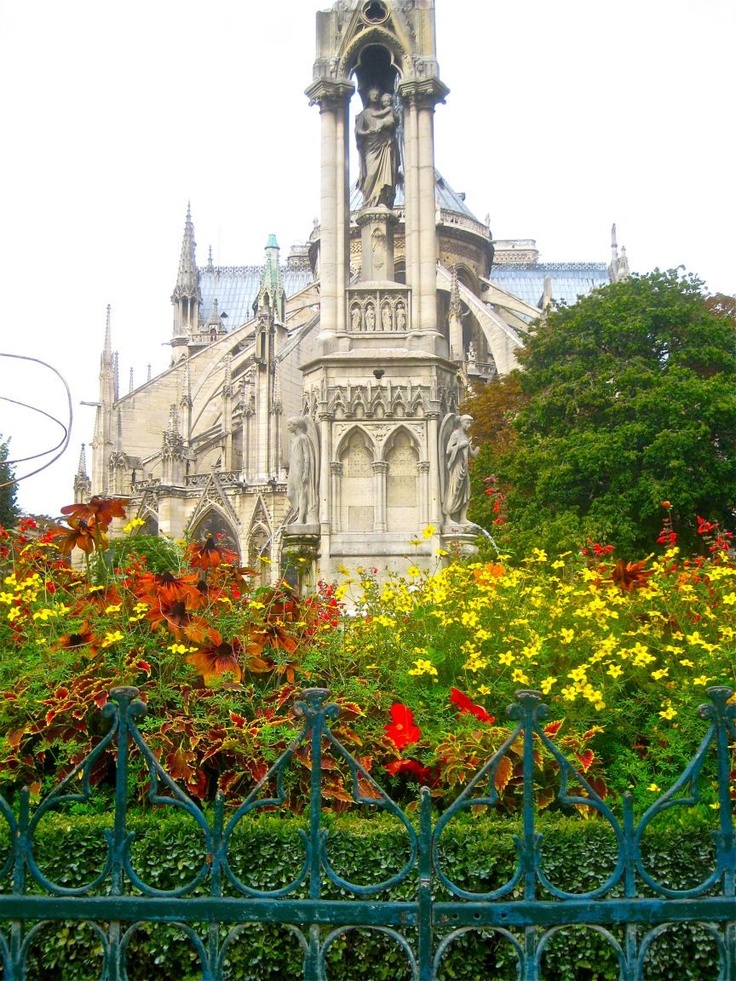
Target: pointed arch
214 524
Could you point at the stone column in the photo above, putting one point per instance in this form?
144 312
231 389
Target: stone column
336 474
333 98
380 470
435 505
325 456
420 97
423 468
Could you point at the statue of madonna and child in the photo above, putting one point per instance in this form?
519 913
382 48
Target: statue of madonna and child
375 134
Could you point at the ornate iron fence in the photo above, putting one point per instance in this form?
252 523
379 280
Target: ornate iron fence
630 910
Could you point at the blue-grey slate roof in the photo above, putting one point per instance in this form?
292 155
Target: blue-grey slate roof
569 279
236 287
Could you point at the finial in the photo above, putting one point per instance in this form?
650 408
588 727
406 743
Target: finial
82 467
131 386
148 373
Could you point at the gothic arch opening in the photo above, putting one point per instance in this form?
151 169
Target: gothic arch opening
213 524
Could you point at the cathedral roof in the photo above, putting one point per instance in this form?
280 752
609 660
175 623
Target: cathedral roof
236 288
569 280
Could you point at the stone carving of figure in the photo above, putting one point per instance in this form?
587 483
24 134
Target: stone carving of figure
375 134
387 320
472 356
400 317
301 485
355 318
458 451
370 317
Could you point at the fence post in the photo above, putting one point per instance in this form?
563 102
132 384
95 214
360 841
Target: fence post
424 905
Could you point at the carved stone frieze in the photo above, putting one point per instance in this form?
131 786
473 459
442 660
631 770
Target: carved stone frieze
378 311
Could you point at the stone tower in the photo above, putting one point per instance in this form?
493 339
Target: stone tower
382 391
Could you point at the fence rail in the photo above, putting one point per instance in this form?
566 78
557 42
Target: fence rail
527 911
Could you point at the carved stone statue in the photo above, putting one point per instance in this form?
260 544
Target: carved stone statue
457 451
301 485
375 134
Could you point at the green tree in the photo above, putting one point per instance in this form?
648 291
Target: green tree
630 401
9 510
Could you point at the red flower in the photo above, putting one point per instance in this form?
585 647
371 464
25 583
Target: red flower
402 730
466 705
412 768
704 527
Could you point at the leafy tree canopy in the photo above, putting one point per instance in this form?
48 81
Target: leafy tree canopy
627 399
9 510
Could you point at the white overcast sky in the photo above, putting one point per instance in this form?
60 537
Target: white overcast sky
563 117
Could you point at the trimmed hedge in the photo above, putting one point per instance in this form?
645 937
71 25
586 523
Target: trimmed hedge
479 853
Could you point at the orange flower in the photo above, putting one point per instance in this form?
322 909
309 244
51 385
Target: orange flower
630 575
168 588
100 511
211 662
208 554
80 534
84 637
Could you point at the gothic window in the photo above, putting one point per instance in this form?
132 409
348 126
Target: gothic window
257 549
213 524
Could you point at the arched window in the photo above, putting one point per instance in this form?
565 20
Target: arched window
214 524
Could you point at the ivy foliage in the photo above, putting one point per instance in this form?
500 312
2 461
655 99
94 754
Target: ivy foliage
477 854
626 400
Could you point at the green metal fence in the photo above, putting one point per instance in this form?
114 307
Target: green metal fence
630 910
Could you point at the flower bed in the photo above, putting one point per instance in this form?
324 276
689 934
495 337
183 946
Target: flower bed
423 667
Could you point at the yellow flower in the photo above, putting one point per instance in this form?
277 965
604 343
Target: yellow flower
615 671
112 637
133 524
506 658
654 787
428 531
547 684
519 676
423 666
567 635
729 599
413 571
702 679
113 608
668 713
660 673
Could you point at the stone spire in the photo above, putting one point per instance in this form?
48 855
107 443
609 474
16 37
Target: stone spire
102 442
82 483
172 451
271 294
187 296
618 268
